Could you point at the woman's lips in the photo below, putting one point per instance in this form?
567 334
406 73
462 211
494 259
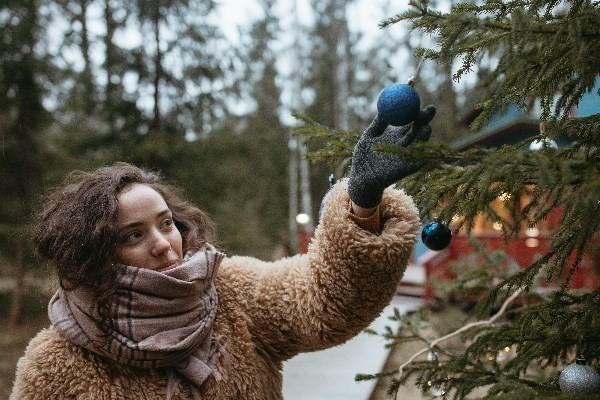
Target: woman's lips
167 266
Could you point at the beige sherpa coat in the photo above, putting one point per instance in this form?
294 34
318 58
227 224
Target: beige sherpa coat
268 312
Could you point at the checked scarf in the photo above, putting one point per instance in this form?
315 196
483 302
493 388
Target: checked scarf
158 319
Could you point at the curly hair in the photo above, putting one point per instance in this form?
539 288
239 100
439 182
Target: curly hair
77 230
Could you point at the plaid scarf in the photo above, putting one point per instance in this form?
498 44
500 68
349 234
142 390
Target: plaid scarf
158 319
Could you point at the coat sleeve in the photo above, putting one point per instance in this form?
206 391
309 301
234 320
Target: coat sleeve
42 370
314 301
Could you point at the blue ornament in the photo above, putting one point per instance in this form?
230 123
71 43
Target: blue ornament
436 235
398 104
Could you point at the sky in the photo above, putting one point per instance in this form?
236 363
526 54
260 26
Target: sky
363 15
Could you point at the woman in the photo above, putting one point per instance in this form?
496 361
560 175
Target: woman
148 309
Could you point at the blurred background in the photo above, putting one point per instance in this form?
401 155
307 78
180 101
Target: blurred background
201 90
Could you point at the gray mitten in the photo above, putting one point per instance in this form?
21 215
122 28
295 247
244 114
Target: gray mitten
372 171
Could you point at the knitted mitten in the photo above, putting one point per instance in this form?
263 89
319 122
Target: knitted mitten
372 171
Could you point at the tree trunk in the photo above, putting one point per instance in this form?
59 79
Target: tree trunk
17 295
109 100
88 82
157 68
27 164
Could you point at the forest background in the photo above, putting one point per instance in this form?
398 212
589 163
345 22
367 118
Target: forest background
162 84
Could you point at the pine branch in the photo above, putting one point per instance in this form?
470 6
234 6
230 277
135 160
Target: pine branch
539 53
338 144
465 328
548 55
543 332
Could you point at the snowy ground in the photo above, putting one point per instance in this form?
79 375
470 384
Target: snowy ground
329 374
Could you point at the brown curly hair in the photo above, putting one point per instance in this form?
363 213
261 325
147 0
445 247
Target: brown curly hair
77 230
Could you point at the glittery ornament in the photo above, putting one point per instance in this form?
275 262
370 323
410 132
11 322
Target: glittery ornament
435 392
436 235
330 182
504 355
543 144
398 104
579 378
432 356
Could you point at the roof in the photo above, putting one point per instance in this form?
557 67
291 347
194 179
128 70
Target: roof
514 124
509 131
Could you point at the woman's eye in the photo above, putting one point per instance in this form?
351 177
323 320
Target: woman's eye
167 223
132 236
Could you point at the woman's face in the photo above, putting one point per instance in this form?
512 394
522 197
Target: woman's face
148 237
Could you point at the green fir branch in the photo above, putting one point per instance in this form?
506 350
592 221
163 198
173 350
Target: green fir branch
336 146
545 332
539 54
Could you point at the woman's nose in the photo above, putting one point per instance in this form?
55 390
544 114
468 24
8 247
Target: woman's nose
160 245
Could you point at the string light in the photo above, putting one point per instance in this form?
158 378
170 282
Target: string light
532 232
532 242
302 218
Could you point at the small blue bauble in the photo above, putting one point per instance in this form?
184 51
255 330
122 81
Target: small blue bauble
398 104
436 235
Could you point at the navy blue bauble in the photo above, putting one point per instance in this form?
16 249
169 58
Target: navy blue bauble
398 104
436 235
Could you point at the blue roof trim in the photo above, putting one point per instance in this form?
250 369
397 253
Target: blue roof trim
513 115
488 130
590 102
510 114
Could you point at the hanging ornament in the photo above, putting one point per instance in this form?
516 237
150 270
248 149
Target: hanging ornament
436 235
330 182
435 391
504 354
432 356
398 104
579 378
543 144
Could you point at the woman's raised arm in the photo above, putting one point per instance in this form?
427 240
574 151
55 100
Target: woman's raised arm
314 301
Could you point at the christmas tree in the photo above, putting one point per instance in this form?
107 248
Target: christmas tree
518 339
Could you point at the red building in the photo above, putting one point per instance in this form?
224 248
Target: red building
511 126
